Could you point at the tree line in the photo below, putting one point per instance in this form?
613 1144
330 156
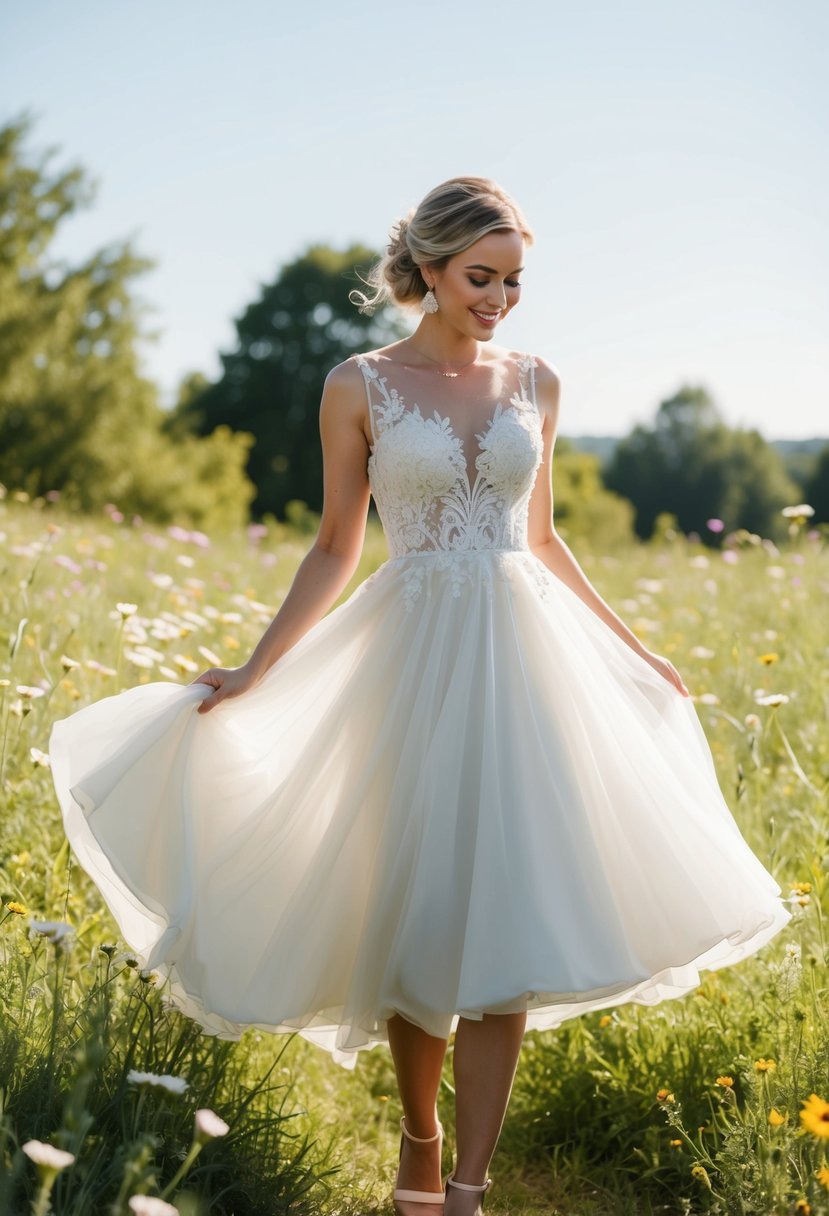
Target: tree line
77 416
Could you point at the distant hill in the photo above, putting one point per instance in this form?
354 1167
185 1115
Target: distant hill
602 446
798 455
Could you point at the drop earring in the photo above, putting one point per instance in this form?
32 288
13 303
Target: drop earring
429 303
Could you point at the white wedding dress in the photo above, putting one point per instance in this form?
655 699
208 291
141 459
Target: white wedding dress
459 792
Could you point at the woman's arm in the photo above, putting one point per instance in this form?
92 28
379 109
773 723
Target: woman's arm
335 553
549 547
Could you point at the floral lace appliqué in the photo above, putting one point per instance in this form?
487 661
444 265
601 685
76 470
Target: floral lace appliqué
420 482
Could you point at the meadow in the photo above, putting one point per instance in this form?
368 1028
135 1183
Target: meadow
111 1102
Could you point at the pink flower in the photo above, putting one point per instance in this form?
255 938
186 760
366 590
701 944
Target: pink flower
714 525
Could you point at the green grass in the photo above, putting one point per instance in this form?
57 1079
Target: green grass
585 1132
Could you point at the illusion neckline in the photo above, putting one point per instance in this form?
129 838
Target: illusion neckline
518 398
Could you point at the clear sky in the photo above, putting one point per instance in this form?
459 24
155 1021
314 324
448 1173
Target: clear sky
672 159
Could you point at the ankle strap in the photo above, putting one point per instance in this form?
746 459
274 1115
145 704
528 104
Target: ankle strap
420 1139
467 1186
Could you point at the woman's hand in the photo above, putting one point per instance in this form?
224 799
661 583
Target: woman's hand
666 668
227 682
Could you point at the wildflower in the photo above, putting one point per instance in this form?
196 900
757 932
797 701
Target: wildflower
26 690
173 1085
803 888
772 699
185 663
107 948
139 658
752 722
803 1208
209 1126
56 931
94 665
148 1205
775 1118
727 1082
701 1174
815 1116
67 664
126 610
39 757
714 525
17 909
675 1143
210 656
768 659
664 1095
46 1157
822 1176
605 1020
762 1065
800 513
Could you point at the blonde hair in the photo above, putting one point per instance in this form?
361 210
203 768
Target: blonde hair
452 216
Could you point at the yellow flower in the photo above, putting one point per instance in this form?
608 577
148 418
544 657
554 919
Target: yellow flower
725 1081
802 1208
768 659
775 1118
18 909
701 1174
802 887
664 1095
762 1065
605 1020
822 1176
815 1116
675 1143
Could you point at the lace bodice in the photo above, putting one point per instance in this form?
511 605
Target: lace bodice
420 479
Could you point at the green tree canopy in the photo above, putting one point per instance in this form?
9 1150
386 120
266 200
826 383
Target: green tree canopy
817 488
287 342
582 507
76 415
693 466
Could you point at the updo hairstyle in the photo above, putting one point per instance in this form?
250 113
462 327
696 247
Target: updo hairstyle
449 219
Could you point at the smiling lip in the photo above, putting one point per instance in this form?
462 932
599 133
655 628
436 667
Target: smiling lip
484 318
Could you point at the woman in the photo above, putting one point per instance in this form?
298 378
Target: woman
469 797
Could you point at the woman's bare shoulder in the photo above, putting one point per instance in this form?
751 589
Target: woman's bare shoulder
345 379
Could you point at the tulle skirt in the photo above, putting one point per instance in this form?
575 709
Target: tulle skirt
459 793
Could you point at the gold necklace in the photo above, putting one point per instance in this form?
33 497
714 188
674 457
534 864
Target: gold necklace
452 375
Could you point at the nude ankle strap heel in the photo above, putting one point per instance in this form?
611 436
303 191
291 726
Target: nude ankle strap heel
419 1196
468 1186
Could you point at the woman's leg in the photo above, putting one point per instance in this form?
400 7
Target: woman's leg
485 1059
418 1060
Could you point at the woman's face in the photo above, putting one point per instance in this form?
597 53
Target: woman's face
478 287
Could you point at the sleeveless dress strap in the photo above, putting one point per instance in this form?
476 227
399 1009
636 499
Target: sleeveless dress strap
369 375
526 373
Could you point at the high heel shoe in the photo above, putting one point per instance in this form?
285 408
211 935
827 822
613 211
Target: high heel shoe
418 1196
467 1186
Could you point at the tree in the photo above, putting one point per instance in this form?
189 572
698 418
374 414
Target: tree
287 341
582 507
76 415
691 465
817 488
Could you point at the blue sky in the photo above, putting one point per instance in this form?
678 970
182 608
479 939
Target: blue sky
672 159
